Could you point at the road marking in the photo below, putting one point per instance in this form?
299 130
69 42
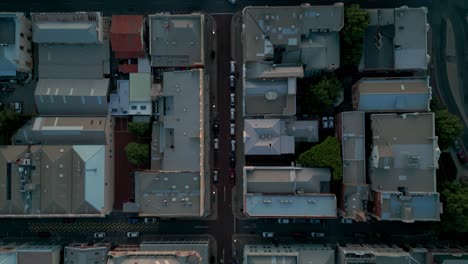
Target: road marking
224 193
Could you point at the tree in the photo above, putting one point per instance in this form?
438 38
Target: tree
8 119
139 129
137 153
325 92
356 21
455 199
447 127
325 154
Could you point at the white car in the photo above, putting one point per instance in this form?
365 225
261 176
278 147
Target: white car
317 234
283 221
346 220
268 234
133 234
17 106
232 65
232 81
216 143
149 220
233 114
232 129
331 122
100 235
325 122
233 145
233 98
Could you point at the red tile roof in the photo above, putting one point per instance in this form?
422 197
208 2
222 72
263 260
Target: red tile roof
127 36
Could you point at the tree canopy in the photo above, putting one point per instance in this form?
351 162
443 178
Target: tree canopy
139 129
137 153
356 21
8 118
455 199
447 127
326 91
325 154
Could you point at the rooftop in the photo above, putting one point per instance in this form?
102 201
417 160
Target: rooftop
167 193
84 254
275 136
182 120
401 158
353 147
119 102
270 97
67 28
393 94
74 61
176 40
127 36
140 87
288 254
72 87
53 181
8 28
311 29
396 39
288 192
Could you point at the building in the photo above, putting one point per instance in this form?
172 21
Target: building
403 164
173 251
177 40
288 192
448 255
71 97
86 253
45 130
169 194
355 192
404 94
56 181
140 94
73 61
120 100
296 253
275 136
396 39
379 254
128 41
15 46
38 254
305 35
180 132
68 28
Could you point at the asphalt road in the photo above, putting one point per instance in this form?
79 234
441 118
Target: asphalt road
152 6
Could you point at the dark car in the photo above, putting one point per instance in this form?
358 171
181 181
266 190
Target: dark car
133 220
461 153
216 128
232 176
232 161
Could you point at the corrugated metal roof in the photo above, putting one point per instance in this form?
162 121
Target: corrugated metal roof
140 87
127 36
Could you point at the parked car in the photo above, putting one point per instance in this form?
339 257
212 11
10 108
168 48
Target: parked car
99 235
232 129
133 234
314 221
232 160
331 122
268 234
233 98
216 143
232 176
283 221
149 220
232 65
233 145
215 176
325 122
232 81
233 114
133 220
16 106
346 220
317 234
460 151
216 128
